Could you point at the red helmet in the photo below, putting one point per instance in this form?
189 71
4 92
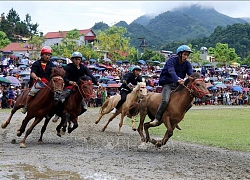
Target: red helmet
46 49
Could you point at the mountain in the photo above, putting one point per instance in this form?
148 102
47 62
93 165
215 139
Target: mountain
180 24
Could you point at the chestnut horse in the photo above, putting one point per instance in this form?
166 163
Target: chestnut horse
72 106
138 92
179 103
40 105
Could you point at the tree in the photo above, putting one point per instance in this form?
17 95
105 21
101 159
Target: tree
32 28
223 55
4 41
114 41
36 44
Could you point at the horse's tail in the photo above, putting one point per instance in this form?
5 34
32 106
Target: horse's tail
134 109
104 105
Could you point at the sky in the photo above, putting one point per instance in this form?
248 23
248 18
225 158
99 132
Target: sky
54 16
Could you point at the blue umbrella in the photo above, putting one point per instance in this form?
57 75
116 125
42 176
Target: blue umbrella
92 60
149 61
54 58
142 61
125 61
149 88
237 88
212 88
83 58
157 62
118 62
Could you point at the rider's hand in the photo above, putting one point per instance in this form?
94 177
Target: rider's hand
73 83
38 79
124 82
181 81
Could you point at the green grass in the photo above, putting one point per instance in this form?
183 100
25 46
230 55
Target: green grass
226 128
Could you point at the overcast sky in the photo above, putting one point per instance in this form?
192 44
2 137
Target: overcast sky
53 16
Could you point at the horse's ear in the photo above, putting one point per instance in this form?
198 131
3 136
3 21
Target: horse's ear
190 78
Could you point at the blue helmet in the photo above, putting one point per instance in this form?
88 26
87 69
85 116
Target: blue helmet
137 68
183 48
76 54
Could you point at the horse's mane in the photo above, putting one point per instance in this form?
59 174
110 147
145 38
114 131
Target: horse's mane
84 78
195 75
57 71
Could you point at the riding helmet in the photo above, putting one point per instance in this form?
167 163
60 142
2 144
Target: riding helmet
46 49
76 54
183 48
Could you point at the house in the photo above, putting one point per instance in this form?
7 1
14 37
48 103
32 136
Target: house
55 38
19 48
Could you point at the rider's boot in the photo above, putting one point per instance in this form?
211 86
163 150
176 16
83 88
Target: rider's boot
25 108
159 113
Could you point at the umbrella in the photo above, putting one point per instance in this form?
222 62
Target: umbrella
118 62
23 66
208 65
246 89
237 88
13 80
104 79
104 85
110 77
54 58
221 85
149 88
212 88
92 60
113 85
17 55
142 62
125 61
157 62
92 67
15 70
101 69
26 78
149 61
209 85
24 73
4 80
111 82
107 59
234 74
83 58
194 64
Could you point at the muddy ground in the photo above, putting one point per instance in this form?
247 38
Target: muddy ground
88 153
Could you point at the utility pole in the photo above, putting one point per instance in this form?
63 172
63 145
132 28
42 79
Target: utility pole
143 43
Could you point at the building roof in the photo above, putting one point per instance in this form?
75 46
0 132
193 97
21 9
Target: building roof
51 35
16 47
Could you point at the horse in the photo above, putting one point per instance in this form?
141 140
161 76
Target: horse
180 101
138 92
107 107
40 105
72 107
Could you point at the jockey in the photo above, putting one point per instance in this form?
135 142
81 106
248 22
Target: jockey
74 71
40 74
173 74
129 80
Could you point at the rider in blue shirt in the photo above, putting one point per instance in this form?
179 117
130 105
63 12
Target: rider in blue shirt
173 74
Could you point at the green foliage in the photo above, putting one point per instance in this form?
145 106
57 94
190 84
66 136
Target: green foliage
36 43
153 55
4 41
12 25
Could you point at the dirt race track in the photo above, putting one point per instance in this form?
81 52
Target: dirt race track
88 153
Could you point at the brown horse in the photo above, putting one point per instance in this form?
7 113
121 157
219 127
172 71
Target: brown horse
39 106
179 103
138 92
72 107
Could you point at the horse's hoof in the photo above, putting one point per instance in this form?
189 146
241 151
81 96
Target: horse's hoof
134 129
58 134
158 144
103 130
22 145
153 141
18 133
40 141
96 122
62 132
4 125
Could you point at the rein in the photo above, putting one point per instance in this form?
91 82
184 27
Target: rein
191 87
83 93
53 90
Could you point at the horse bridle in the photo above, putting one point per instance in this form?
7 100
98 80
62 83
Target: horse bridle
54 89
87 95
191 87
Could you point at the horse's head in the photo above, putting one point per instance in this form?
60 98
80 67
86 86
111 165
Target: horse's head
141 88
197 85
57 83
85 87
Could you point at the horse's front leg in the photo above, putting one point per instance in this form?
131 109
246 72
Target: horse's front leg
24 124
36 121
168 133
121 123
74 126
13 111
99 118
110 119
133 123
140 127
44 129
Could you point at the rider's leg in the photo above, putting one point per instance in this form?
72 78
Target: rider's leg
166 92
66 92
31 94
122 100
